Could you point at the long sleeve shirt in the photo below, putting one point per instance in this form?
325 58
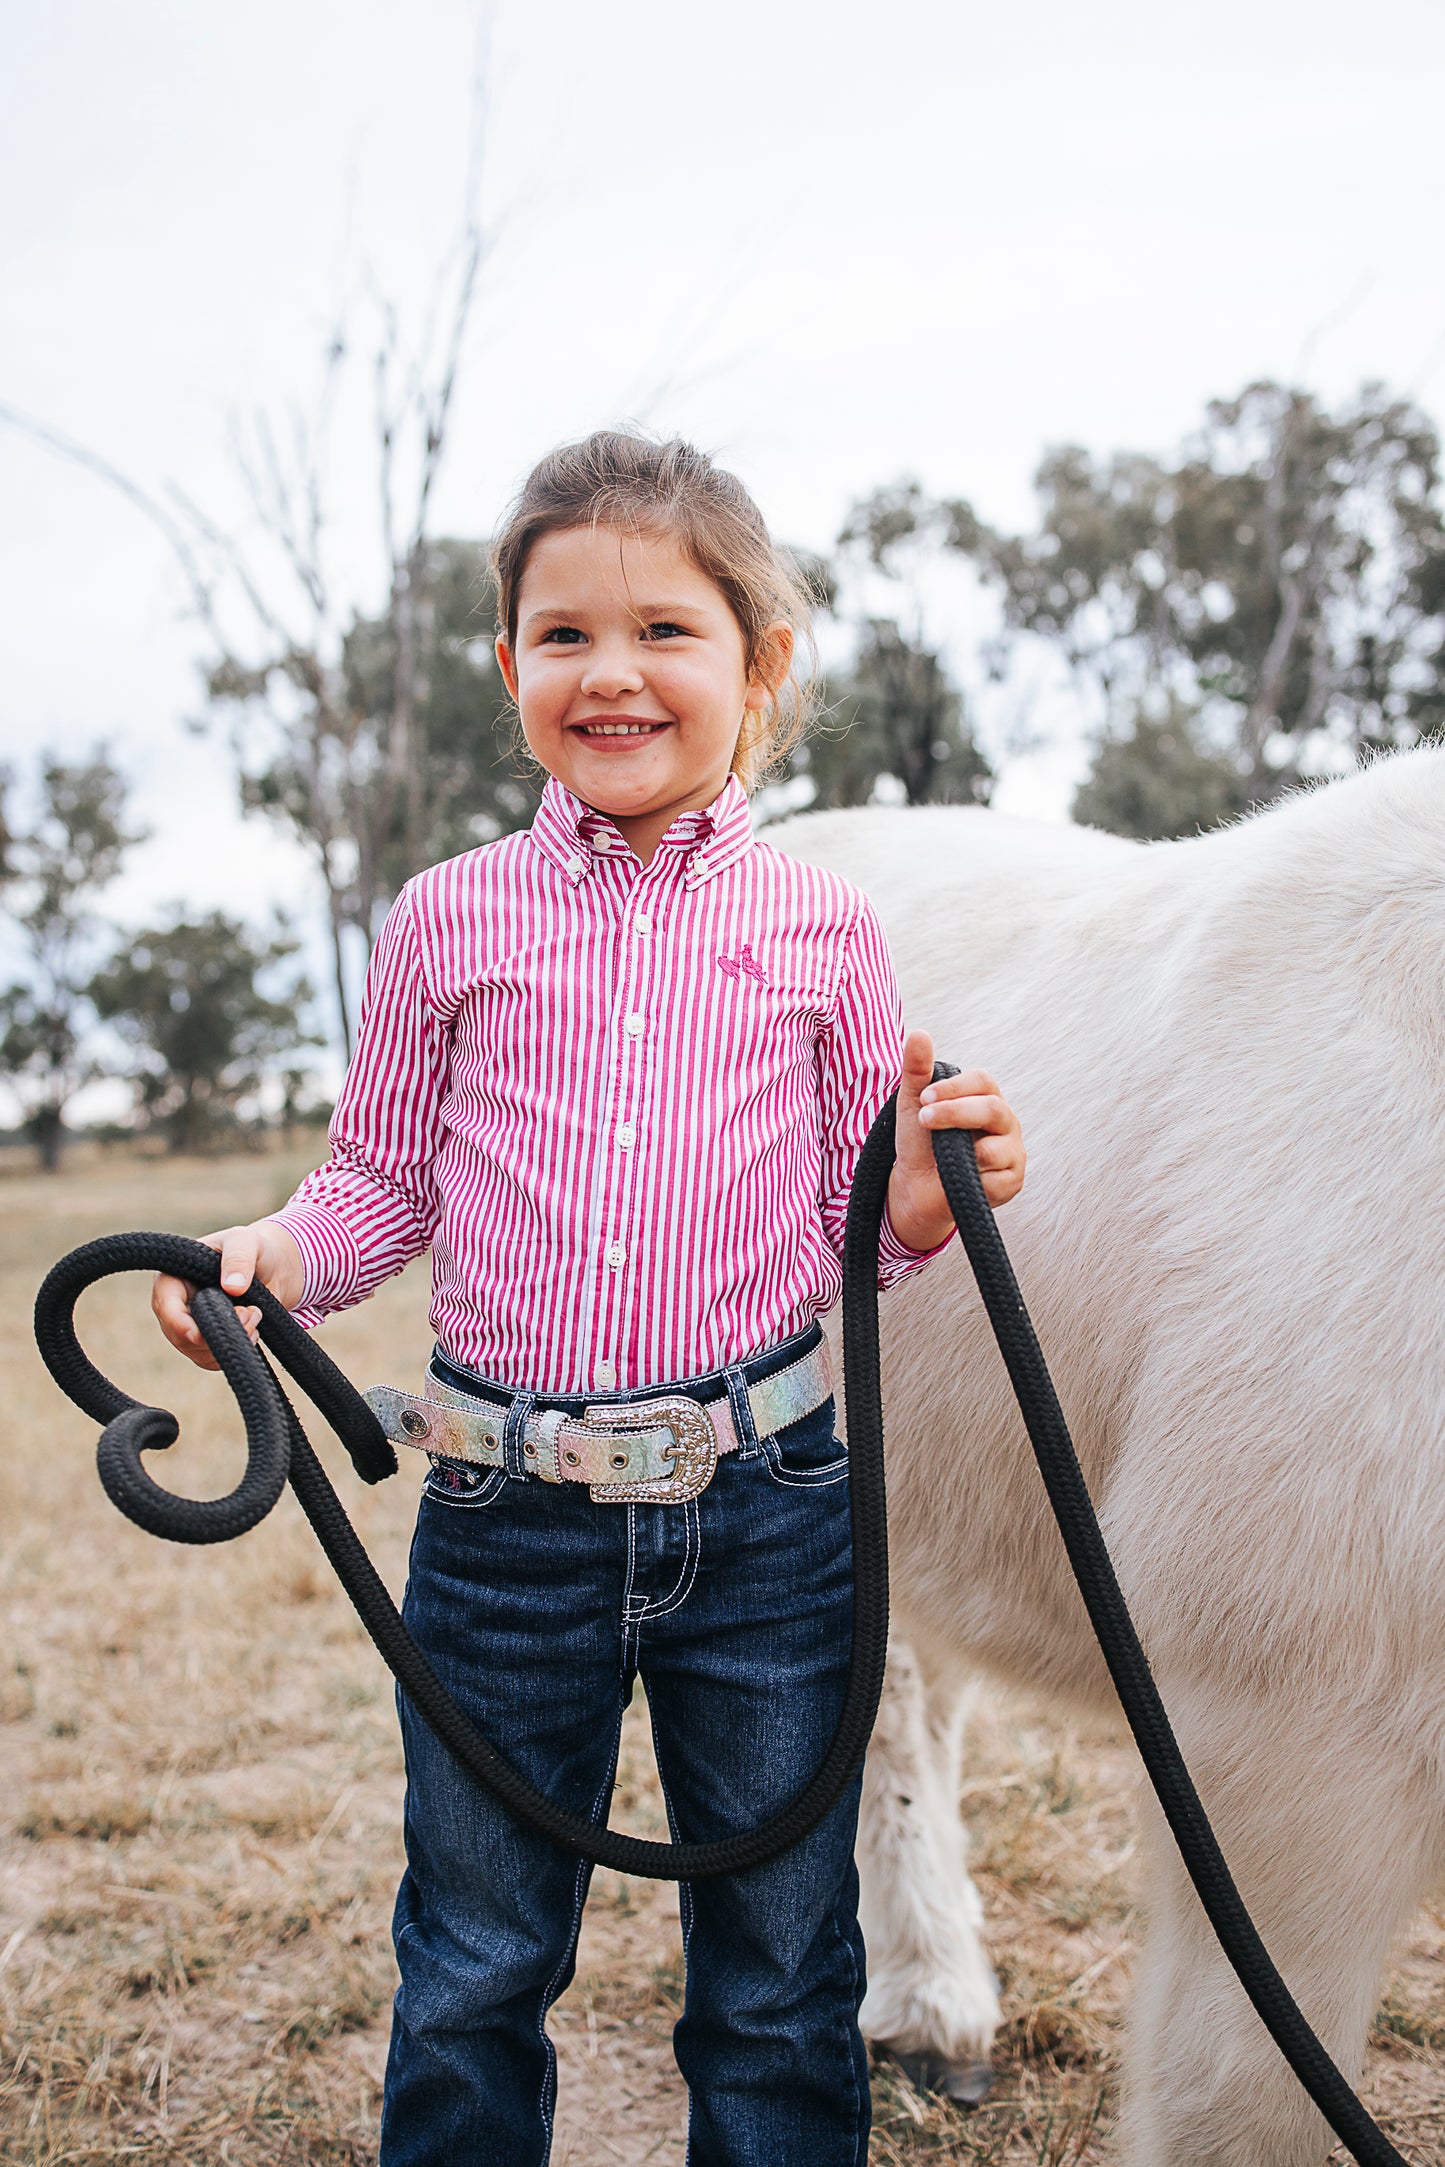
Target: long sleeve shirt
622 1103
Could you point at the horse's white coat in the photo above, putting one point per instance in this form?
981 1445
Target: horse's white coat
1229 1059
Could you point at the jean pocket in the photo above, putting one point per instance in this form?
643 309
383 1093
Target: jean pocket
458 1484
807 1452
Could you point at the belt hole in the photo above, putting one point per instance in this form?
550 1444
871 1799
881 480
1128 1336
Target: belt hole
619 1459
531 1451
570 1458
414 1424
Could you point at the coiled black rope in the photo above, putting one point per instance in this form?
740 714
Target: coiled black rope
278 1450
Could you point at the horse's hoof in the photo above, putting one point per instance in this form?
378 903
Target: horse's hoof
966 2083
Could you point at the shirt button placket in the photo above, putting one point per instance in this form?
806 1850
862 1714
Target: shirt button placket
600 1353
637 999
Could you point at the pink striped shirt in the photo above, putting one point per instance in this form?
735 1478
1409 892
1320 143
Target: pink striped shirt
623 1103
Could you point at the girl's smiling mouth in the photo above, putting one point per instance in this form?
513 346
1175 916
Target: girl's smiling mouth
615 726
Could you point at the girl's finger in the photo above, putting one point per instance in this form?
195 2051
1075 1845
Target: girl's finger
190 1343
1003 1188
238 1247
996 1153
989 1112
917 1066
969 1083
170 1304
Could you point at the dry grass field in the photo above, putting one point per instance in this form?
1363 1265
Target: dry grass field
200 1828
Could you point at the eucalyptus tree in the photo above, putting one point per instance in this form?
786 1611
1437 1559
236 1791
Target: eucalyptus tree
895 713
1269 597
207 1006
56 864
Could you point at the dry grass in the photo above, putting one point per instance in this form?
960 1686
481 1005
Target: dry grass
200 1835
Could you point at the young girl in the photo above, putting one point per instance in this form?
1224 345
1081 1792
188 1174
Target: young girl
617 1070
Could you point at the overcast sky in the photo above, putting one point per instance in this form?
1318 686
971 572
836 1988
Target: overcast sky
835 243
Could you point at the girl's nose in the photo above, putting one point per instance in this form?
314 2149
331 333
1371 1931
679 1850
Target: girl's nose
612 669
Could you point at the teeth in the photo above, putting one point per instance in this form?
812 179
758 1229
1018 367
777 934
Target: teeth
620 729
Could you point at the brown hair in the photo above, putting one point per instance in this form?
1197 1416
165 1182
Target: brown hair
621 478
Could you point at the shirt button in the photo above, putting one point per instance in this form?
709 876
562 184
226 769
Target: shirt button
632 1025
626 1135
642 923
576 867
606 1374
617 1256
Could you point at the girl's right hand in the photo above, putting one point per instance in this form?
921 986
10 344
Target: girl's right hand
264 1251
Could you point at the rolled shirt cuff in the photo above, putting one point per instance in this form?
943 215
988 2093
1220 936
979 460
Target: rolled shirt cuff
896 1260
330 1257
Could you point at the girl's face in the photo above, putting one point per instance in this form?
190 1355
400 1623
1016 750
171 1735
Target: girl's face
631 676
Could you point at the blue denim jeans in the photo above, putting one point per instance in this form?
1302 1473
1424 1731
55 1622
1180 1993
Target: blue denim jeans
538 1609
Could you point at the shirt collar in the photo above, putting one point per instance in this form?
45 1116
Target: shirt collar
572 834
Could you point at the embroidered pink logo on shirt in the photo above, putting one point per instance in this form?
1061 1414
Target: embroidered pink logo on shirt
743 965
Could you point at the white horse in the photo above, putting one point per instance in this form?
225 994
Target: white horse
1229 1058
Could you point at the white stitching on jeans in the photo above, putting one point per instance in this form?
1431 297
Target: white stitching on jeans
687 1573
629 1621
815 1478
579 1898
684 1888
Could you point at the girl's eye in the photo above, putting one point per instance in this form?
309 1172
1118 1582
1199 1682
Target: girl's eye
666 631
561 635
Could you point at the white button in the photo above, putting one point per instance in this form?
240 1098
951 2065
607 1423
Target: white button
617 1256
632 1025
576 867
606 1376
642 923
626 1135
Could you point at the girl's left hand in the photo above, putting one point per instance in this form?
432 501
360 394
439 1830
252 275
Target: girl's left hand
917 1205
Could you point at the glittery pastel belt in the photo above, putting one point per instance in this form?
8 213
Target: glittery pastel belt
630 1452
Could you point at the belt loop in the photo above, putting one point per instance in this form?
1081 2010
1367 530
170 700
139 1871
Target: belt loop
736 1381
512 1434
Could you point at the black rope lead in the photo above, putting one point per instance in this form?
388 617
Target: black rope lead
1128 1664
278 1450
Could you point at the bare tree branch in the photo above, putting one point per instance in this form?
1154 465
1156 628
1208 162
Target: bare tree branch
335 742
150 507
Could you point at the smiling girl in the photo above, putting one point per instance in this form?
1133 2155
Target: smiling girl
617 1071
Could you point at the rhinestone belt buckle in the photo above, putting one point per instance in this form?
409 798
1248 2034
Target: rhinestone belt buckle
693 1451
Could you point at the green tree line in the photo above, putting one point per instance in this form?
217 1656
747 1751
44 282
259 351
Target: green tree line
1261 605
199 1008
1264 604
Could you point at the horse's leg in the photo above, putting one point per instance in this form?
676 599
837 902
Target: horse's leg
1333 1840
932 1998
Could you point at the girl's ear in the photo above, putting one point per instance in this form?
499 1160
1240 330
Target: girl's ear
775 655
506 665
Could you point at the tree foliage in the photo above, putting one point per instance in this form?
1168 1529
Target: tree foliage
1160 781
896 714
187 997
1271 595
55 867
373 801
